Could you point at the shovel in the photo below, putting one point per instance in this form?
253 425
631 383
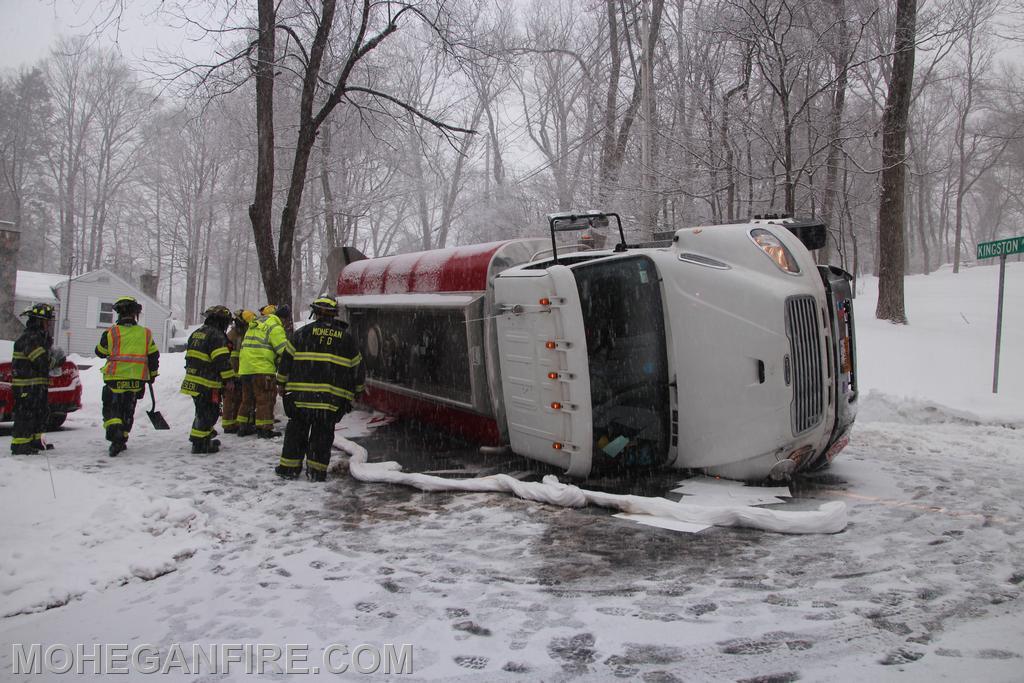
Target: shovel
156 418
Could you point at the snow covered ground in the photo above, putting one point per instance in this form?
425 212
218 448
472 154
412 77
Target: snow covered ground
159 547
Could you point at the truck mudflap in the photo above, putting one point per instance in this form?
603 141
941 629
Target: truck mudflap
842 359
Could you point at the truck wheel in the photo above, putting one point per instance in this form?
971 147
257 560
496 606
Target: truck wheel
55 420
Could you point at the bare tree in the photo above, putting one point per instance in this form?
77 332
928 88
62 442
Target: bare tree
24 111
74 108
325 81
891 200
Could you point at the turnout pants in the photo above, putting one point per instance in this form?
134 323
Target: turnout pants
261 395
309 436
31 410
232 401
207 411
118 413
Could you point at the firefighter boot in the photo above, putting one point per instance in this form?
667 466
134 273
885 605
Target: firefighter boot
23 449
116 447
39 445
245 430
315 475
206 446
287 472
267 433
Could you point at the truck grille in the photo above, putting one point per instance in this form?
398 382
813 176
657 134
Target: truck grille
803 329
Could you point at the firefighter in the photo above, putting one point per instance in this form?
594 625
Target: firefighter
321 375
207 367
132 362
31 381
233 388
262 346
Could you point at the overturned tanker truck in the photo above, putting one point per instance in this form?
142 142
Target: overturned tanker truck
724 349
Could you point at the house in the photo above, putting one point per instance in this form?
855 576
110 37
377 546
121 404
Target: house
36 288
90 310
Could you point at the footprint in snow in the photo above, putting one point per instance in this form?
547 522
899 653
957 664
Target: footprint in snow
472 628
468 662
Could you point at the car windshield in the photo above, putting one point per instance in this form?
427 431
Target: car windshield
625 327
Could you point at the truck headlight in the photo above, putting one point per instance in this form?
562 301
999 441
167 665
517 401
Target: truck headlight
773 247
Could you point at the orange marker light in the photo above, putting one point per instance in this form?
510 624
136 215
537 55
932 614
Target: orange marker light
550 344
545 301
557 446
556 406
552 375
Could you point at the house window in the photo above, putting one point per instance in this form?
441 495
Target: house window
106 314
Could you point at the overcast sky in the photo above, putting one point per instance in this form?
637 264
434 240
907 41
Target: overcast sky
28 28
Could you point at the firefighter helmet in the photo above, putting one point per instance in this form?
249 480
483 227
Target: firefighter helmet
247 316
218 313
325 305
269 309
127 305
42 311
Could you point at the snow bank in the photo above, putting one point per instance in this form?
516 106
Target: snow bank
830 518
944 354
91 536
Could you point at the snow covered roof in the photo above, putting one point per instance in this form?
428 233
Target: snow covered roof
38 287
135 290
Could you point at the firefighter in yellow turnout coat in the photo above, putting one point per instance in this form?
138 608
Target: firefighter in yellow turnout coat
322 375
264 342
207 367
132 361
31 381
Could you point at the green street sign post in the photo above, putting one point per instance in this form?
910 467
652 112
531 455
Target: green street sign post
1002 249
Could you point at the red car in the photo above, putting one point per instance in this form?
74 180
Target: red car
65 394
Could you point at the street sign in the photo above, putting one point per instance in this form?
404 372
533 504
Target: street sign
1000 248
1013 245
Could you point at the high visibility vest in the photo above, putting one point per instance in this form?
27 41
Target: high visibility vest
129 353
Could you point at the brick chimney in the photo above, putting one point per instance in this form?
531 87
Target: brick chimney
10 240
148 281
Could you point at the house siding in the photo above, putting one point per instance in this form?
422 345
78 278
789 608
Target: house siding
83 330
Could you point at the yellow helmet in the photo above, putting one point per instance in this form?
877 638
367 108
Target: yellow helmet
43 311
325 305
127 305
269 309
248 316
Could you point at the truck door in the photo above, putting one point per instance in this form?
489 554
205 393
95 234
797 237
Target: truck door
624 323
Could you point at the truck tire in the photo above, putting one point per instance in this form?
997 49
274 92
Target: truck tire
55 420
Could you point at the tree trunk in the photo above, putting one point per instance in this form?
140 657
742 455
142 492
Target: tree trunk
611 103
835 123
891 202
261 209
331 231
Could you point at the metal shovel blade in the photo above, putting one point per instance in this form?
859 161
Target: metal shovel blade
155 417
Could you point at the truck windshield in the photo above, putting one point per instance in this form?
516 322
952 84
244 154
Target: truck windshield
625 327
